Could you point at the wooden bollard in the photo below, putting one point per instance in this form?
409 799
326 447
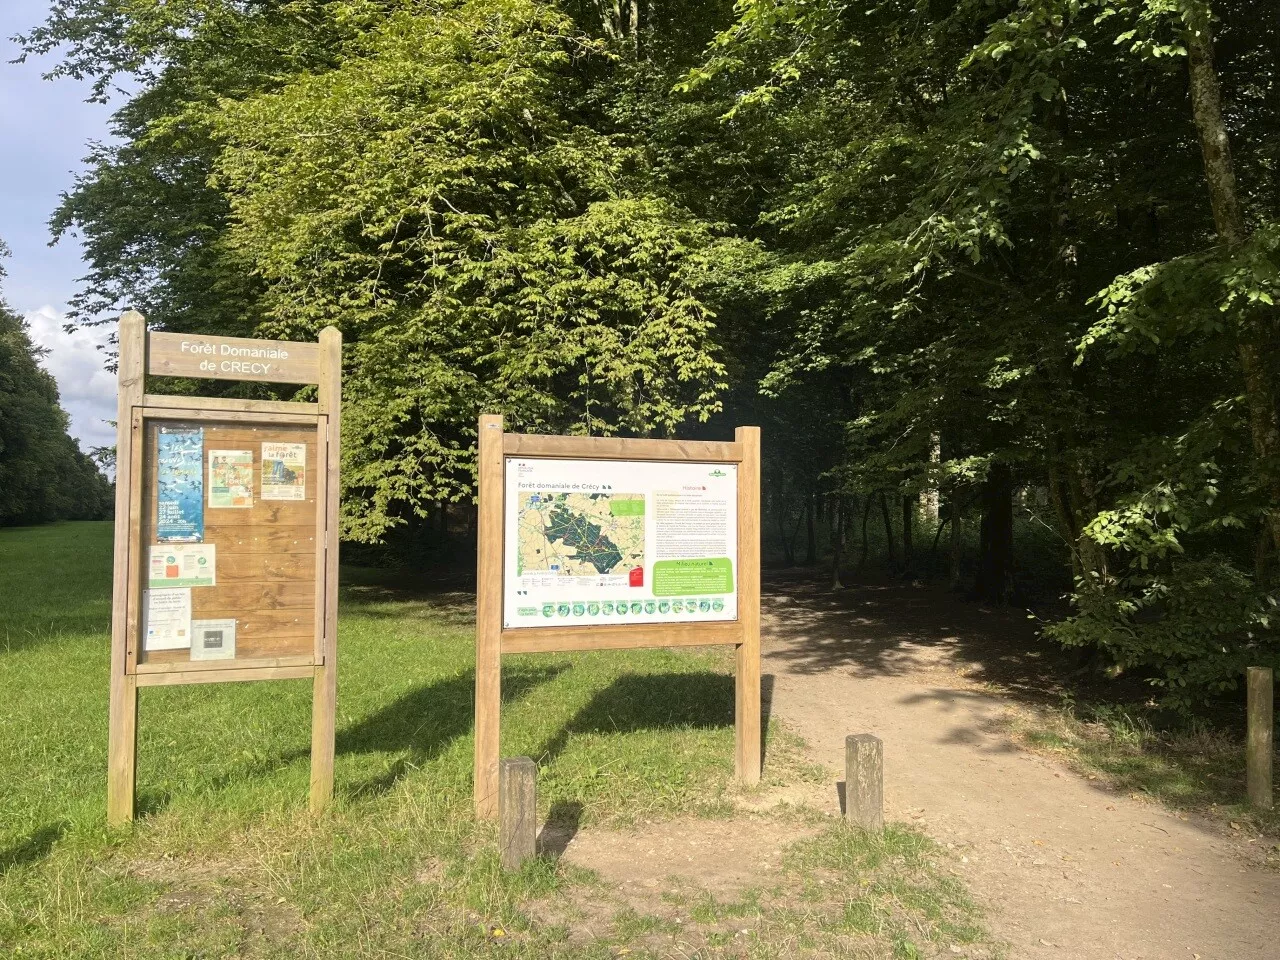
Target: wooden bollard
1258 748
864 781
517 810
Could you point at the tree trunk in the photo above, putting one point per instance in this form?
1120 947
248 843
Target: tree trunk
811 544
995 564
837 541
957 521
780 515
908 519
929 502
866 516
888 530
1254 332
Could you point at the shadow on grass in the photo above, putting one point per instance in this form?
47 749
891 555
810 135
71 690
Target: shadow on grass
422 723
647 702
37 845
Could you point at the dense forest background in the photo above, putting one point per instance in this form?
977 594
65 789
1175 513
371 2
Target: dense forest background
997 279
43 474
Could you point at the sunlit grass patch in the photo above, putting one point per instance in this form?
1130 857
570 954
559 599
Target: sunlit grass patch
1192 767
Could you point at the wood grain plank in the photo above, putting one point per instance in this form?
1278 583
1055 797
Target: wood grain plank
324 695
223 676
747 675
185 355
188 665
122 721
625 637
618 448
489 545
207 405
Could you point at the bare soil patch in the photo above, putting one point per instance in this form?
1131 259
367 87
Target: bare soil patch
1064 865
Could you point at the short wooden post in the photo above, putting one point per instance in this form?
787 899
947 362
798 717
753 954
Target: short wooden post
747 684
489 548
1258 747
864 781
518 810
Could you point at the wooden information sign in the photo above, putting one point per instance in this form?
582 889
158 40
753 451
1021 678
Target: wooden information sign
590 543
226 543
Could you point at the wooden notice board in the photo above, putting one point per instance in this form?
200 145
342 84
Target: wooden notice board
226 533
592 543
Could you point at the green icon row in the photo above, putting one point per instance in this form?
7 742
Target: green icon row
610 608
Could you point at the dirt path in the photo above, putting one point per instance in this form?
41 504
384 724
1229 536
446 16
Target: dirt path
1063 866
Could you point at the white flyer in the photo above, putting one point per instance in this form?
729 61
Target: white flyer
166 619
213 639
284 471
619 541
183 565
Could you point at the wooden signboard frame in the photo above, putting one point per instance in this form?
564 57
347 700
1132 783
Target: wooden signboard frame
306 632
493 640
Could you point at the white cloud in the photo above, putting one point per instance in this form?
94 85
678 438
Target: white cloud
78 362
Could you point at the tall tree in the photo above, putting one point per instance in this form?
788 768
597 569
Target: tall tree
43 474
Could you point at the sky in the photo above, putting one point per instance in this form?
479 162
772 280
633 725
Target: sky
45 126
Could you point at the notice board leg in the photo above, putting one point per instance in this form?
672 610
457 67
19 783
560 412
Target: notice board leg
122 748
324 705
747 689
488 617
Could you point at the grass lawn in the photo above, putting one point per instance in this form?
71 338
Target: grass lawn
224 860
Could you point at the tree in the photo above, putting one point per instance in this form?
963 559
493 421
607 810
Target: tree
43 474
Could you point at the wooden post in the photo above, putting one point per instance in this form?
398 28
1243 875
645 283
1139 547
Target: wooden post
1258 748
122 746
488 615
324 697
864 781
518 806
747 685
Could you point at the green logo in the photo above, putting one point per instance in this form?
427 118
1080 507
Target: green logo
563 609
579 609
677 606
717 605
548 609
664 606
593 608
622 609
717 473
704 605
607 607
636 606
650 607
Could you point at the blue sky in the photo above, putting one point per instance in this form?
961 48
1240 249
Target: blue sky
44 129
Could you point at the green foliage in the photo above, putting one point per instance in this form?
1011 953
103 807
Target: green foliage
437 180
966 246
43 474
1192 628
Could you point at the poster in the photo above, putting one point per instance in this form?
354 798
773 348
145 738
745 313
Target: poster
230 478
619 541
166 619
180 485
213 639
284 471
183 565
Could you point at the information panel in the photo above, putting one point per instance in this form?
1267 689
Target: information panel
618 542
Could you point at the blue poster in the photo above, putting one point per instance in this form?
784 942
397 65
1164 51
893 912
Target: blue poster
180 485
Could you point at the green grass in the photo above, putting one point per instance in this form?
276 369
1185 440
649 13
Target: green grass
224 860
1192 767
